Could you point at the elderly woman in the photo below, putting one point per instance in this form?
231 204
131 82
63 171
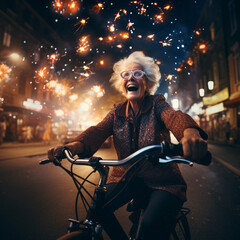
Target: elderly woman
143 119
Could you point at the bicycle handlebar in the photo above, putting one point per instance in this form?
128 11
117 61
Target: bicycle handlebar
159 151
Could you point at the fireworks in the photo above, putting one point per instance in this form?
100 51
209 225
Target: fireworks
83 44
124 35
190 62
81 23
112 28
202 47
151 36
120 13
66 6
59 89
98 90
96 8
130 25
158 17
166 42
170 77
4 72
53 58
42 73
73 97
167 7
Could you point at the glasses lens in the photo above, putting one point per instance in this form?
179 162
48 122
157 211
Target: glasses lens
138 74
125 74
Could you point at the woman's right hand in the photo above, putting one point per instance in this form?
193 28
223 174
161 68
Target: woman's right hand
56 153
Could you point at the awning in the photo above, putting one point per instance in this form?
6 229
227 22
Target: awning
232 102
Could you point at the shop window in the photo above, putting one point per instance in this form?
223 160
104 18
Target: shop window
232 16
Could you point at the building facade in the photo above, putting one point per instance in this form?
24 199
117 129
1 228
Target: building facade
213 72
25 40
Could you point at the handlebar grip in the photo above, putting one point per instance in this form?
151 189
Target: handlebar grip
206 160
44 162
177 150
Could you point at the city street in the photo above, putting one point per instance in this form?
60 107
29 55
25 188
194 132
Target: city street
36 200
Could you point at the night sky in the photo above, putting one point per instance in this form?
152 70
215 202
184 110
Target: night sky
161 29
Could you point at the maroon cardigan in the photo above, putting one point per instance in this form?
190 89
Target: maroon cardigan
151 126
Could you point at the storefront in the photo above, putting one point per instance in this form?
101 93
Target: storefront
233 105
23 124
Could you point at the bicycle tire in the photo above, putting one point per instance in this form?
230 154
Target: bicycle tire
181 230
76 235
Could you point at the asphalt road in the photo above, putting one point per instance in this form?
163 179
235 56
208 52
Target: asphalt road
36 201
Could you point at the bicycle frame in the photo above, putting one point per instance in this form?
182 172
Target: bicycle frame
136 159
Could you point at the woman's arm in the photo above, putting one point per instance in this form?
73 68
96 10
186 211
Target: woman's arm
184 128
89 141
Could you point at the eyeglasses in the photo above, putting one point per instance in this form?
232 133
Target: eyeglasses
137 74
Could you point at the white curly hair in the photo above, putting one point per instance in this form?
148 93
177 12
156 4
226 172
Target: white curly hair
148 65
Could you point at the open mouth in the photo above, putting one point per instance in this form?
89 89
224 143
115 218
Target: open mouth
132 88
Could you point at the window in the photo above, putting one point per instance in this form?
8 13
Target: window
6 39
215 74
236 60
232 16
212 31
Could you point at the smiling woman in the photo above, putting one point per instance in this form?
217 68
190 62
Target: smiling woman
145 64
143 119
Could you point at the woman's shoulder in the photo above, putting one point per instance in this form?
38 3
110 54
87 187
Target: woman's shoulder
158 98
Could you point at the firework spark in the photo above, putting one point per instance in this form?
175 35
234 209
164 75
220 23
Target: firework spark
167 7
42 73
151 36
130 25
120 13
83 44
124 35
4 72
98 90
97 8
166 43
81 23
112 28
66 6
158 17
53 58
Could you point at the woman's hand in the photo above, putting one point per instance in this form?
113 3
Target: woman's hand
58 152
194 147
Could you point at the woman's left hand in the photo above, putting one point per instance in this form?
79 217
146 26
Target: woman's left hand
194 147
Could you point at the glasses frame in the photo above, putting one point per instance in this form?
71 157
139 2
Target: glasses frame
132 74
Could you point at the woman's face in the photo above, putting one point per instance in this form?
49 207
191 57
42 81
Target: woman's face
133 83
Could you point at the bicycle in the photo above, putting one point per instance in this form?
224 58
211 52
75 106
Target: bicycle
88 228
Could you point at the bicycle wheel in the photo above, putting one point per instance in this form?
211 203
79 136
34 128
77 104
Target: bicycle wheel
81 234
182 230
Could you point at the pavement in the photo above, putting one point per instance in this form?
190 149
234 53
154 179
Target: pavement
10 150
226 154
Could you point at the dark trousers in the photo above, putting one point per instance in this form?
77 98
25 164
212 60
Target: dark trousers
158 218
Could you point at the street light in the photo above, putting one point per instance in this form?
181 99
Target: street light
210 85
14 56
201 92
